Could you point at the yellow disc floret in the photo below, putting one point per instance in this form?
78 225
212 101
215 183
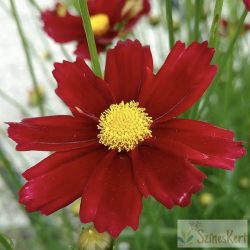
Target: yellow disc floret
61 10
100 24
122 126
132 8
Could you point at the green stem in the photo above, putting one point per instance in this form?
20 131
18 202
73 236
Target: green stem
169 16
216 21
198 9
27 55
13 102
113 245
36 6
41 35
14 183
188 19
227 89
10 170
68 226
5 243
231 44
90 37
65 52
224 59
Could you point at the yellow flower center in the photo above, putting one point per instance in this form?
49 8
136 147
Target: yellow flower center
100 24
122 126
132 8
61 10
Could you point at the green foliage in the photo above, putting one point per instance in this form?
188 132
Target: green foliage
5 243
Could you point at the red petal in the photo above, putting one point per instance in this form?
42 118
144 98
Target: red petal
247 4
63 29
169 179
82 50
113 9
111 199
216 143
53 133
80 89
181 81
58 180
126 69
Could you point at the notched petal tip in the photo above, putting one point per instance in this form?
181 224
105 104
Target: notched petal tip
179 44
128 43
12 131
61 26
187 67
102 202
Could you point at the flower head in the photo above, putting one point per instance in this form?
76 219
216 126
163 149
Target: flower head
90 239
108 21
123 140
229 28
206 199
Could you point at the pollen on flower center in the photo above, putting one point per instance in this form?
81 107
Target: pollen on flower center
132 8
100 24
122 126
61 10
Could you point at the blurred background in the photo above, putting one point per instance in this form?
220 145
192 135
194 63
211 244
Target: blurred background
227 104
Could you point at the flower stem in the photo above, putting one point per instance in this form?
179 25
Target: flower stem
169 16
216 21
231 44
14 183
198 10
65 52
5 243
188 18
223 61
13 102
90 37
27 55
113 245
12 175
36 6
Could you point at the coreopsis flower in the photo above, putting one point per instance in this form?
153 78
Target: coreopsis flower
247 4
231 27
108 22
123 140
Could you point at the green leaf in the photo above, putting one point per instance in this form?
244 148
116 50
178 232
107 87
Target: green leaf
180 239
190 238
5 243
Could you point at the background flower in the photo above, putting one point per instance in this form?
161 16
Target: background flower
247 4
108 22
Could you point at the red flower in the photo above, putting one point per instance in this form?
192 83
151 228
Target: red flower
247 4
108 21
123 140
226 27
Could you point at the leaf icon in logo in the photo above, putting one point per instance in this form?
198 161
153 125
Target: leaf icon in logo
190 238
181 240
